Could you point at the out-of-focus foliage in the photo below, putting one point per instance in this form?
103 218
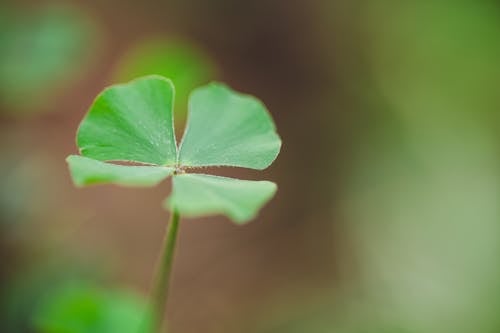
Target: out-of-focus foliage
23 289
186 65
41 50
86 308
424 191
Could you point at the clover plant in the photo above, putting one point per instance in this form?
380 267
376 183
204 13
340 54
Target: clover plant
133 123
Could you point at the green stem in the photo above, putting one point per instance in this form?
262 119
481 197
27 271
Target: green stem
160 291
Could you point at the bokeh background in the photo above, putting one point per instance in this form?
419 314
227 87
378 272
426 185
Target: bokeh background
387 217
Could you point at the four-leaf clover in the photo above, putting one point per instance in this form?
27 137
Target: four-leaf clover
133 124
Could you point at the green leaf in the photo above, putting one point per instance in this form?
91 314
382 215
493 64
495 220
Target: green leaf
131 122
197 195
81 308
87 171
229 129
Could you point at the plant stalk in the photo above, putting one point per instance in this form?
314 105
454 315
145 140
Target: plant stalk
159 295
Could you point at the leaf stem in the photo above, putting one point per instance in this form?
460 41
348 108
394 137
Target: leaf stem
160 292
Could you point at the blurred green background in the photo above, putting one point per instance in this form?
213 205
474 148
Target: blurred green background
387 217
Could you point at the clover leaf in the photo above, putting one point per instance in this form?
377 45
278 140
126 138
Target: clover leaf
133 123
